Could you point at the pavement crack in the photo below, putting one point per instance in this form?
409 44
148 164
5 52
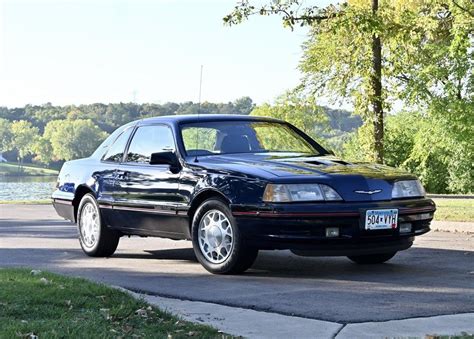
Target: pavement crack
339 331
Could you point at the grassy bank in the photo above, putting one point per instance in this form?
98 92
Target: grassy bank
454 209
11 169
53 306
25 202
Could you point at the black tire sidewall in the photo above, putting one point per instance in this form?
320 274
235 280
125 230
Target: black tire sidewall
229 265
89 198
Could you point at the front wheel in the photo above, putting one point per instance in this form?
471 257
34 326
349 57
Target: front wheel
369 259
218 244
95 238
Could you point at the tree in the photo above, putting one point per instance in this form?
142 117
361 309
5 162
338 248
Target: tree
43 150
72 139
337 27
243 106
5 135
423 145
24 136
372 55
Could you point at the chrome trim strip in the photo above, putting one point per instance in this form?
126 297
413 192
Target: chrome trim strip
62 201
295 214
140 209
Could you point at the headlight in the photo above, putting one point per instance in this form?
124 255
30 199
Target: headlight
299 192
407 188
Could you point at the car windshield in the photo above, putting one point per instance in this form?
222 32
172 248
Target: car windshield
227 137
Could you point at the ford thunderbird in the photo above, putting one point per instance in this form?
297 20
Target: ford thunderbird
234 185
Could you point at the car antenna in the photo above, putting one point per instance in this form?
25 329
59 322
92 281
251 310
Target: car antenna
198 114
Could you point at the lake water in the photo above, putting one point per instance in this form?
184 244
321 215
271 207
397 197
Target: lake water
26 188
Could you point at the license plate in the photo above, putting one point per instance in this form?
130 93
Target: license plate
381 219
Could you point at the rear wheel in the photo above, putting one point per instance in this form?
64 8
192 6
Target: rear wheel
369 259
95 238
218 244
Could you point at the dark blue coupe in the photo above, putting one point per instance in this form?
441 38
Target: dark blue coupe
234 185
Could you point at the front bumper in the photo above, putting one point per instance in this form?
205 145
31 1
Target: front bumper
302 226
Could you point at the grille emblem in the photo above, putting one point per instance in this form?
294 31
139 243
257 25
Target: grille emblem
369 192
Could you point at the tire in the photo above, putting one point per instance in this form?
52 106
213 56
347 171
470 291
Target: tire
218 244
371 259
95 238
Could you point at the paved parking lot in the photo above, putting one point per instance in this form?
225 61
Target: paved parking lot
435 277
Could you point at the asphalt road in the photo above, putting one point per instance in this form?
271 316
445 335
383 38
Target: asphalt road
435 277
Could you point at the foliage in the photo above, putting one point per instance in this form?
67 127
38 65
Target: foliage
71 139
43 150
301 112
45 305
330 127
424 145
427 55
5 135
24 135
54 143
342 57
291 11
109 117
199 138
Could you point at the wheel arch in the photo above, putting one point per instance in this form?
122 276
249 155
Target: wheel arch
200 198
81 191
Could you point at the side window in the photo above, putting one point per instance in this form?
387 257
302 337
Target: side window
104 146
148 140
115 152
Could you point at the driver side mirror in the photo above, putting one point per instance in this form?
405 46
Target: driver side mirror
166 158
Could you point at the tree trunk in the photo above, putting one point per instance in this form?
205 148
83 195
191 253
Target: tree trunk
376 103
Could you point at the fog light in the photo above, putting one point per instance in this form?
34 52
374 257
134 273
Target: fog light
332 232
405 228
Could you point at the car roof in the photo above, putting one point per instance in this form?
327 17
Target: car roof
191 118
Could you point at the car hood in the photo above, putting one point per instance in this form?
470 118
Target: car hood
348 178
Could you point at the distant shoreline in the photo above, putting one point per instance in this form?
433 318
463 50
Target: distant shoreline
11 170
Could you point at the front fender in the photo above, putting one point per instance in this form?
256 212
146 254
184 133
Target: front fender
235 189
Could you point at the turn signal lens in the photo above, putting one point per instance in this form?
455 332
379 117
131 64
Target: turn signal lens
276 193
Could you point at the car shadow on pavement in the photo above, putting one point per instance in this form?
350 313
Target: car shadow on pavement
416 263
185 254
423 263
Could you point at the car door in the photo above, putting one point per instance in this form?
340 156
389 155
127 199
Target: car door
110 190
150 192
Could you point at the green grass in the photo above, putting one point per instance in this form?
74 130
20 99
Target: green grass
53 306
454 209
10 168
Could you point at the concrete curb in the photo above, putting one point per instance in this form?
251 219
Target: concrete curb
244 322
411 328
256 324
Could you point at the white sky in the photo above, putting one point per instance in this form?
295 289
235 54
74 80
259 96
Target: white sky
79 52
